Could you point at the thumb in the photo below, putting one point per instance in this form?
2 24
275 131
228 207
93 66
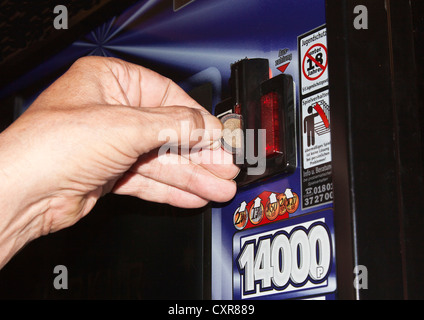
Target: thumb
174 125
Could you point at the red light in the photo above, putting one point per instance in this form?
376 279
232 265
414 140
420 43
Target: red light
270 122
237 109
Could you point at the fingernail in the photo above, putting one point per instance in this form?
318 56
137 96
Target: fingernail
215 145
213 128
238 172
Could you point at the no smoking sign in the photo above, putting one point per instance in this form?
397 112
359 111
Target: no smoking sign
314 58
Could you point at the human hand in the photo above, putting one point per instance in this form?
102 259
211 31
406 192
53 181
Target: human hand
95 130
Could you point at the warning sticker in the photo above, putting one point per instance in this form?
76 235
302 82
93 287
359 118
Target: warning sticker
317 185
316 141
313 61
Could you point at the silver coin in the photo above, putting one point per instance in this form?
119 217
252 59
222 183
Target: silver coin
232 137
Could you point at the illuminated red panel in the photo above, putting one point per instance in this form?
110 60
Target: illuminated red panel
270 122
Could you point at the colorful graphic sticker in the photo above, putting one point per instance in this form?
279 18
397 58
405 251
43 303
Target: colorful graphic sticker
267 207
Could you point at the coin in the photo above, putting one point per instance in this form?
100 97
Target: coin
293 203
272 210
282 201
256 214
232 136
240 219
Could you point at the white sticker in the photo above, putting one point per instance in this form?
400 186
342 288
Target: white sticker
316 130
313 61
284 260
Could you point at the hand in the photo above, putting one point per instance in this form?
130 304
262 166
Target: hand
95 130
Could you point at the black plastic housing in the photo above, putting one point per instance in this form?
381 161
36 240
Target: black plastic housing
248 83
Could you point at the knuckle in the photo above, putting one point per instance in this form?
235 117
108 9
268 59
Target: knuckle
181 113
193 118
96 62
191 115
88 60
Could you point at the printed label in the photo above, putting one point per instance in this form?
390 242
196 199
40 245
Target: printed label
316 138
284 260
313 59
317 184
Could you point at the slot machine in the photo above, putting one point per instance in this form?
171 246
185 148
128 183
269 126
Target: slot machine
313 97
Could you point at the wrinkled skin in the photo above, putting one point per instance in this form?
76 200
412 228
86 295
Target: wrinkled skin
95 130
